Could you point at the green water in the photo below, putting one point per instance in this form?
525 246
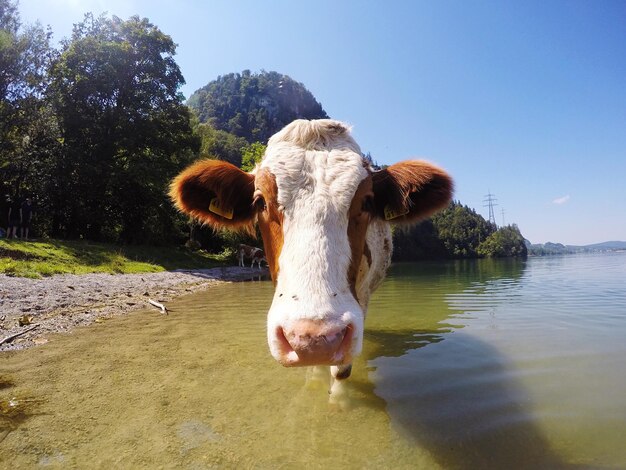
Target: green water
482 364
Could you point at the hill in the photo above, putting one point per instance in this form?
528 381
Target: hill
247 107
545 249
457 232
254 106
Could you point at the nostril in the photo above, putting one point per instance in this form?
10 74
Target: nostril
282 340
306 341
313 342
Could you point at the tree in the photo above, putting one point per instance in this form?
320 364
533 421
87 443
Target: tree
125 131
254 106
252 154
505 242
28 128
418 242
455 232
219 144
461 230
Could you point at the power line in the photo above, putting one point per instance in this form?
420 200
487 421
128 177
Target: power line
490 199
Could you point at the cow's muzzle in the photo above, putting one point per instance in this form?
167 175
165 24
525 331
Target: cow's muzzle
310 342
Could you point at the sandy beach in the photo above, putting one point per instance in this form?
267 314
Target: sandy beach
61 303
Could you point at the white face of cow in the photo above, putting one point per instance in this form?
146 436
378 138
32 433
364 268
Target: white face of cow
315 317
323 215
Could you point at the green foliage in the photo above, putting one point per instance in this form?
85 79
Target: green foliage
461 230
416 242
25 54
219 144
251 155
254 106
95 132
28 127
124 129
504 242
457 232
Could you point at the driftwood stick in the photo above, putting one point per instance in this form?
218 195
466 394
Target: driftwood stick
10 338
158 305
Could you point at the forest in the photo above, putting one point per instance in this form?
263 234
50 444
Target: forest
93 132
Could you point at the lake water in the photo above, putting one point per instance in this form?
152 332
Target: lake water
471 364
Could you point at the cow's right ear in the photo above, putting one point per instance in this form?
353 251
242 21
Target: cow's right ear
410 191
217 193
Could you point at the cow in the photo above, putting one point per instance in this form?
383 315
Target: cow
252 253
324 215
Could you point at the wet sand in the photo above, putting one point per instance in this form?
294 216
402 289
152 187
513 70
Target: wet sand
60 303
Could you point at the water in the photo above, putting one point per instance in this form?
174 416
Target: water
475 364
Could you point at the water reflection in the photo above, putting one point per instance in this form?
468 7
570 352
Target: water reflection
450 383
462 403
437 385
381 343
445 390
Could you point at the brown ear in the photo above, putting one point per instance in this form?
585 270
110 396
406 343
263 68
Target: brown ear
411 190
216 192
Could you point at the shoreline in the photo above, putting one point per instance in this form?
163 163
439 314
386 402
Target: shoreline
60 303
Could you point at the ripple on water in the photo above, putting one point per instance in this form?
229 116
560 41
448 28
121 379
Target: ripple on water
489 364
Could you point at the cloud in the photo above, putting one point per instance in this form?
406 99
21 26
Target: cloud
561 200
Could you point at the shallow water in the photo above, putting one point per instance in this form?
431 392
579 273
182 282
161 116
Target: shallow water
477 364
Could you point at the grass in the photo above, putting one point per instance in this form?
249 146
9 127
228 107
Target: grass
35 259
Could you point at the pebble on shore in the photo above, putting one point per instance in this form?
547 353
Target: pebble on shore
63 302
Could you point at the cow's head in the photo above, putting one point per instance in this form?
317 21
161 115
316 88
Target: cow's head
324 217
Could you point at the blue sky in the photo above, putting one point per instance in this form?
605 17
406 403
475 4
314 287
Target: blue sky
523 99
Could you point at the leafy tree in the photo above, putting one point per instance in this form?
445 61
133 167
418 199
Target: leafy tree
457 232
254 106
125 131
420 241
461 230
219 144
251 154
28 128
504 242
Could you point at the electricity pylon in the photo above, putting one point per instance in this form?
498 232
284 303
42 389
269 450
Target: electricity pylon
490 199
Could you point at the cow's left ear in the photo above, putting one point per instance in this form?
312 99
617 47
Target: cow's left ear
411 190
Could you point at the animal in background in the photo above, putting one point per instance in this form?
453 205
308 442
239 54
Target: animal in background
247 252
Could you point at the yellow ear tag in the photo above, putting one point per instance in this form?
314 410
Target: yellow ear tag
218 208
392 214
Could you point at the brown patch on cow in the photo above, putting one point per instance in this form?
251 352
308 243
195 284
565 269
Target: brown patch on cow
358 221
415 189
270 219
193 190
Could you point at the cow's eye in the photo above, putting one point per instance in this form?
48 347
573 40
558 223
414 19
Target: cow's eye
368 204
259 202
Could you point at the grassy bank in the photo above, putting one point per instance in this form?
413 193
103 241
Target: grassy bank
45 258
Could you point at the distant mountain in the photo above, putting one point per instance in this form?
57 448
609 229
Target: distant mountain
607 246
254 105
544 249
